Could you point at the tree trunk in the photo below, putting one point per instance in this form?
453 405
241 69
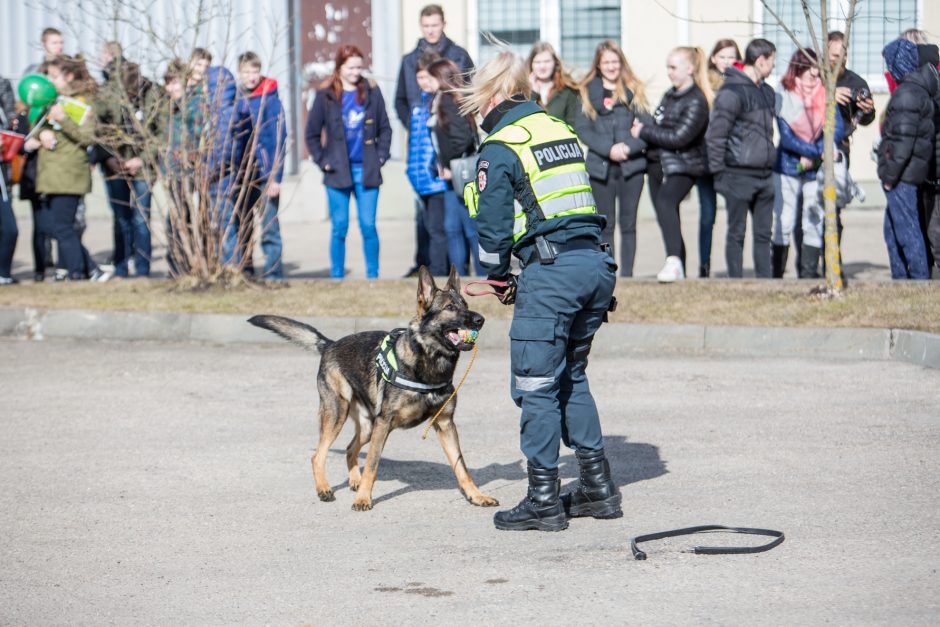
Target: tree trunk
833 253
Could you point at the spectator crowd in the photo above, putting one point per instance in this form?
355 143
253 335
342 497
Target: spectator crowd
713 130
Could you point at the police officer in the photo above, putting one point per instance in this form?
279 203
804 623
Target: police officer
532 199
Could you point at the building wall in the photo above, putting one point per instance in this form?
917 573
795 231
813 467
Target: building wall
651 29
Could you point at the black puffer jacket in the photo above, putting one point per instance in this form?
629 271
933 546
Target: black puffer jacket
907 142
453 135
740 133
933 173
608 128
677 140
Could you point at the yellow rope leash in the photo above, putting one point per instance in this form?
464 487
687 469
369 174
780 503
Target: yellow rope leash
452 394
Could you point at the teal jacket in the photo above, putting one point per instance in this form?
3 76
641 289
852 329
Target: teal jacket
498 171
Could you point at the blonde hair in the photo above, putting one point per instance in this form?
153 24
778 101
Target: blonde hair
696 58
504 76
627 80
915 35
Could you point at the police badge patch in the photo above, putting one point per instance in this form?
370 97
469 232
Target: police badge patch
482 167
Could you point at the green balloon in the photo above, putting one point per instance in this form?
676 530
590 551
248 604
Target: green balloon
37 91
34 114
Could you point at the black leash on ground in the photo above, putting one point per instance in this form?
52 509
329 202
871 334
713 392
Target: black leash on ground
711 550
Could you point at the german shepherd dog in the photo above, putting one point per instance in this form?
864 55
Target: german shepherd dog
350 383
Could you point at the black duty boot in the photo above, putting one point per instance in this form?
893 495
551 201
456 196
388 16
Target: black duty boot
541 508
809 262
596 494
704 270
779 260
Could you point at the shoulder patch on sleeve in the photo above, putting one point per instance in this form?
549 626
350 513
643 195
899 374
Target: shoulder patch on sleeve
482 167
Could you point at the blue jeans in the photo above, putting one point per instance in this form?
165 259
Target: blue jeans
232 226
271 244
904 237
708 207
461 232
130 202
367 200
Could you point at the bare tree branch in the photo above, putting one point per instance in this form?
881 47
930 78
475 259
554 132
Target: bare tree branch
809 22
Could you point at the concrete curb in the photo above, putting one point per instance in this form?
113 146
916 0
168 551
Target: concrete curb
922 349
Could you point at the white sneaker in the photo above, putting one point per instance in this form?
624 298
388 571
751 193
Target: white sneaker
672 271
101 274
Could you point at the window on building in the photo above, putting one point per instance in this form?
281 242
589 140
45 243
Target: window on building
876 23
515 22
584 24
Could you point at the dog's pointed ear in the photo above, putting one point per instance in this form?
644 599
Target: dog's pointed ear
453 280
426 289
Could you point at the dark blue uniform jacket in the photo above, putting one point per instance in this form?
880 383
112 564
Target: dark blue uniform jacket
498 170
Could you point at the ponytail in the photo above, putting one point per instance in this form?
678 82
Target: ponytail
699 63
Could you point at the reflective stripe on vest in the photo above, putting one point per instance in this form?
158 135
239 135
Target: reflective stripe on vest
554 163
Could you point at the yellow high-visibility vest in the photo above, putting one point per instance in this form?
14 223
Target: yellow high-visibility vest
553 161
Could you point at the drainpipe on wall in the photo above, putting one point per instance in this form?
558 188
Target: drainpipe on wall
294 70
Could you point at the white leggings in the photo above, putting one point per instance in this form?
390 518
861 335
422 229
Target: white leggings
790 194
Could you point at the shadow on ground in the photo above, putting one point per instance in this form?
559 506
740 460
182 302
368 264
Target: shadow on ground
863 269
630 462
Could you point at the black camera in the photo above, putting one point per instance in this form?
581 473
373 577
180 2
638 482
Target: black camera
861 93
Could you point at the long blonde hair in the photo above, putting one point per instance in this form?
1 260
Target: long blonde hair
504 76
696 58
627 80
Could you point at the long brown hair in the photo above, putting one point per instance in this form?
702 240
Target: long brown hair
628 80
720 45
333 81
451 79
81 82
561 78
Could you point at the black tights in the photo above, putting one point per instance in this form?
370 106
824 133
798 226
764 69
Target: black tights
628 190
667 195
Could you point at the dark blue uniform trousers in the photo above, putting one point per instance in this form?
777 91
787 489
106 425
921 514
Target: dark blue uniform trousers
558 307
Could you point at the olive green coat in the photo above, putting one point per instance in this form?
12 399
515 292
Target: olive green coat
564 105
65 169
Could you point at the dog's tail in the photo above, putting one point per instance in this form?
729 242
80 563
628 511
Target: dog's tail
301 334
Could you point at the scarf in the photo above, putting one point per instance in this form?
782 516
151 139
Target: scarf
804 108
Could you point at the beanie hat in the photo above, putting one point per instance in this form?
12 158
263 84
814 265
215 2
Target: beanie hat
901 58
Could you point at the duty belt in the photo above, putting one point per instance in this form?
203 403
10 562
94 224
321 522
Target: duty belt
545 252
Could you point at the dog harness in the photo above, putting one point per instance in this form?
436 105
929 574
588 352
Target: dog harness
387 365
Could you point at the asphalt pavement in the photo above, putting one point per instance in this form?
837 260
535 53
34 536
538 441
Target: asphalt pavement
170 483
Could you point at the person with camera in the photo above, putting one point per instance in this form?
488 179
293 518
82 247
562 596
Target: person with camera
852 92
